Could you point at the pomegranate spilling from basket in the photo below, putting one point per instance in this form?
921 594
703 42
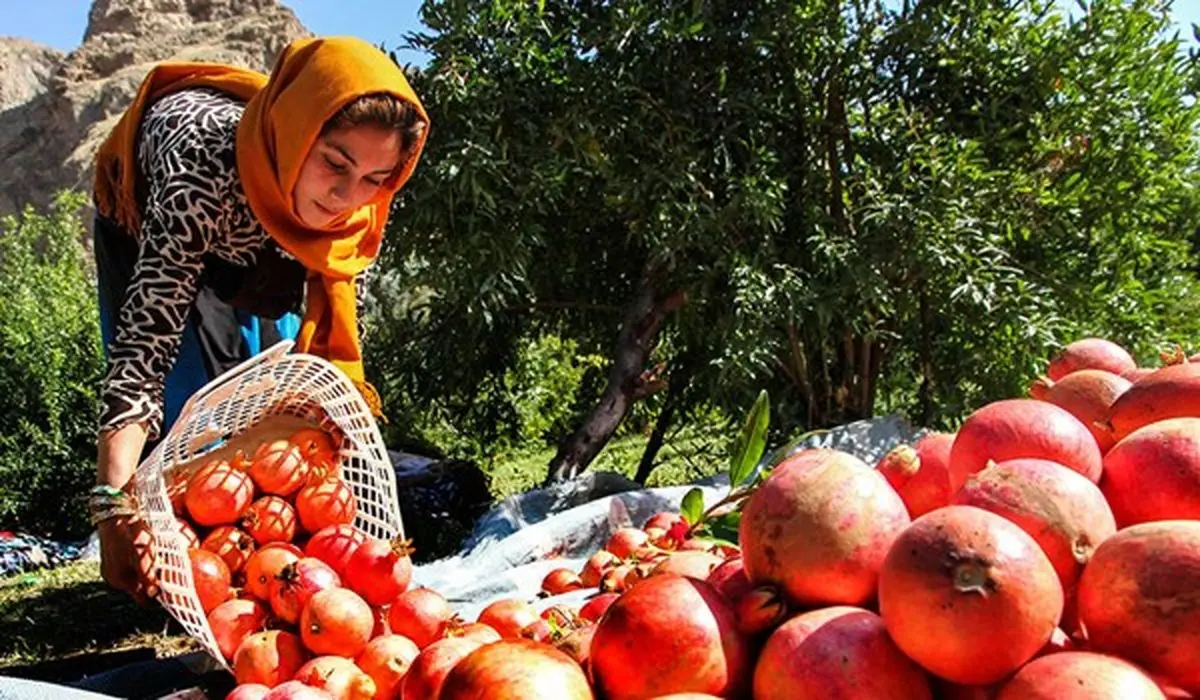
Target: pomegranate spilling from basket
1029 555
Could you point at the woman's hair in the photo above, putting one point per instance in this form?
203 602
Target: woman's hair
380 110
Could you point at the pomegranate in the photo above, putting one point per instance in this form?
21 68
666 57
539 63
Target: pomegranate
325 502
1079 675
920 474
233 621
561 617
1064 512
317 447
595 608
1135 374
539 631
663 521
231 544
295 690
1154 473
334 545
730 579
296 584
249 691
516 669
1088 395
577 644
212 578
561 581
1090 353
477 631
695 564
596 566
669 634
625 540
219 493
337 676
833 516
1139 598
265 565
386 659
191 539
379 570
969 595
761 610
269 658
509 617
270 519
614 580
279 468
841 652
1170 392
429 670
420 614
336 621
1022 428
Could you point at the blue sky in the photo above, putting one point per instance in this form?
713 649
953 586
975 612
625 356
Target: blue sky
61 23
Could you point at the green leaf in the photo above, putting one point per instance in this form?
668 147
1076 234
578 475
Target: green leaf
723 528
751 442
692 507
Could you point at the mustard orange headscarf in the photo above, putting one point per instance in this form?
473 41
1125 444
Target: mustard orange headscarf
312 80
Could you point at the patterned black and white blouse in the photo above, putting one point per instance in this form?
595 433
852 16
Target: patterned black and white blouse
194 208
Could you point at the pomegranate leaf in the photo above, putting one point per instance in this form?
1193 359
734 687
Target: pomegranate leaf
692 507
751 441
722 529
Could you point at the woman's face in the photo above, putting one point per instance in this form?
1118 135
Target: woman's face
343 171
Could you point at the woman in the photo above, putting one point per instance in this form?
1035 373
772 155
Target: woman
226 203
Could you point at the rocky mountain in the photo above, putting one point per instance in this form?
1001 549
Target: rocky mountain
56 109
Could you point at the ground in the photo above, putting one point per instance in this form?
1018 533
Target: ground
61 624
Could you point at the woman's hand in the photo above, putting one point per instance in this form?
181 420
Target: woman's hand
127 557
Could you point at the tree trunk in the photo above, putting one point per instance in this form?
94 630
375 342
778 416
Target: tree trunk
628 381
661 425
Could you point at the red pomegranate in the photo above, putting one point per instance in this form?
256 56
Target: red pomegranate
429 670
386 659
1169 392
336 621
233 621
1064 512
325 502
595 608
1080 675
577 644
516 669
219 493
834 516
1018 429
270 519
669 634
625 540
296 583
841 652
231 544
596 566
1154 473
420 614
295 690
265 565
960 575
318 447
561 581
1090 353
698 565
212 578
279 468
334 545
249 691
730 579
380 570
920 474
761 610
1135 374
1088 395
477 631
269 658
663 521
338 676
509 617
1139 598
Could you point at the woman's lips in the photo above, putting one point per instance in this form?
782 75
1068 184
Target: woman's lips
324 209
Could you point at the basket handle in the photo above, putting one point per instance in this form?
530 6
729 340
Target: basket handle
221 387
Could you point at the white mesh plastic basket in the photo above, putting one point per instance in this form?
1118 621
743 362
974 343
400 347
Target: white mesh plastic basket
273 383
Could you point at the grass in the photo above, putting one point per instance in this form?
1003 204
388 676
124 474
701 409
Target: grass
69 614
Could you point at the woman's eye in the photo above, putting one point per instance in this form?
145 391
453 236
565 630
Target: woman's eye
374 182
335 167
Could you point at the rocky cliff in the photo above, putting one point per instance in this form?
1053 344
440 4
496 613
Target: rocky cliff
56 109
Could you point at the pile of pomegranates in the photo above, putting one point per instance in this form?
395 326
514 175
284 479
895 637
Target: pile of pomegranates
1050 548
